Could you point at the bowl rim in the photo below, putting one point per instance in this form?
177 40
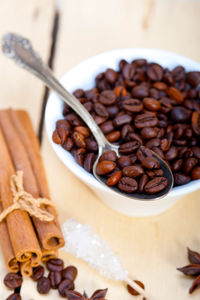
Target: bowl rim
67 158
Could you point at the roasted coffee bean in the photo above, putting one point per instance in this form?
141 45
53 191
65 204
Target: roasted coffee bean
142 182
124 161
79 139
172 153
150 163
111 76
128 185
126 129
175 94
189 164
156 185
159 85
105 167
88 106
79 156
149 132
43 285
153 143
143 152
55 279
165 144
113 136
64 286
180 114
196 152
74 120
91 144
56 138
195 174
88 161
78 93
155 72
132 105
108 155
82 130
193 78
55 264
151 104
62 134
68 145
101 110
114 178
13 280
140 91
112 110
107 98
128 71
180 178
107 127
70 273
145 120
14 296
133 171
176 166
38 272
178 73
135 137
158 172
129 147
121 120
158 151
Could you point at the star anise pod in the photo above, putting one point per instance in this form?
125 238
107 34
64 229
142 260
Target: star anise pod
97 295
193 269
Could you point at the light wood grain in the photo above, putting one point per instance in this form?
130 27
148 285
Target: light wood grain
149 248
32 19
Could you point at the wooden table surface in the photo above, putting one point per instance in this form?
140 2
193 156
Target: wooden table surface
149 248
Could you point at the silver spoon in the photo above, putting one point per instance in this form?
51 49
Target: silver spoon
20 50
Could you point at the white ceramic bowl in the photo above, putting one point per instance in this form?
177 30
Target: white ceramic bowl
82 76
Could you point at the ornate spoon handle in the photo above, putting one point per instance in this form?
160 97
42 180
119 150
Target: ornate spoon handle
21 51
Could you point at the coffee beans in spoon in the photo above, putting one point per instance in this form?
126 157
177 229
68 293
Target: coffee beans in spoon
141 103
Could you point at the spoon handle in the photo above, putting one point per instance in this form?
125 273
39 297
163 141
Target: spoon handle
21 51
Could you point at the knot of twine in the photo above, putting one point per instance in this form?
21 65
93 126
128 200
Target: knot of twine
25 201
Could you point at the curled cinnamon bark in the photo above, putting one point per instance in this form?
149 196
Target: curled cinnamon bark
24 159
21 232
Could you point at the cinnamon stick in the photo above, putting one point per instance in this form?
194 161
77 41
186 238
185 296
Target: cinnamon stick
48 254
26 133
49 233
7 248
26 268
21 232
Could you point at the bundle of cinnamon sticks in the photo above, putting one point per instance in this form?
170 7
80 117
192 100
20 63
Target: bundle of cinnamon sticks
25 240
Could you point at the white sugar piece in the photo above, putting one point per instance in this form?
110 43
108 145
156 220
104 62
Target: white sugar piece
84 243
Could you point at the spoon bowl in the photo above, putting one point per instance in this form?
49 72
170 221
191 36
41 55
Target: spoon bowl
20 50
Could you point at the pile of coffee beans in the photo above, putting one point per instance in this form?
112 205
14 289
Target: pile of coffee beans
138 172
141 102
59 278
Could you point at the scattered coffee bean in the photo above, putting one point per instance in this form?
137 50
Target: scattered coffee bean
43 285
14 296
64 286
70 273
13 280
55 264
55 279
38 272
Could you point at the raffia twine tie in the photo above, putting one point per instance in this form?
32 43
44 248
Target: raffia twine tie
25 201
